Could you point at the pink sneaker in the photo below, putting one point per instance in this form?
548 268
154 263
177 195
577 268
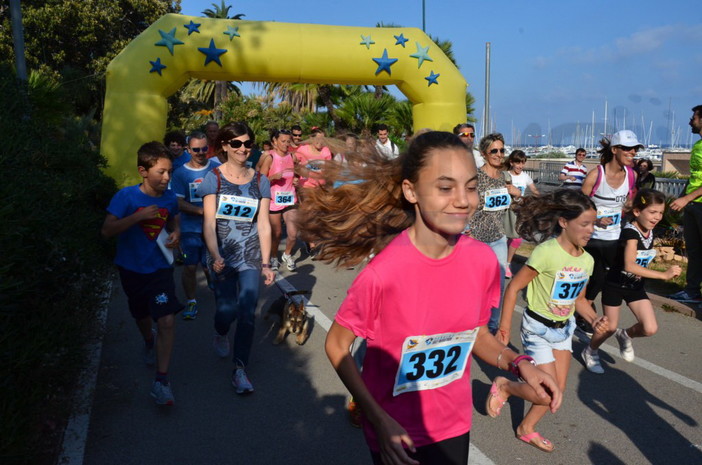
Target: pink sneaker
508 272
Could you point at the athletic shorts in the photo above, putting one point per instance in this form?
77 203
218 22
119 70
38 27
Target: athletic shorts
539 341
613 295
452 451
193 247
150 294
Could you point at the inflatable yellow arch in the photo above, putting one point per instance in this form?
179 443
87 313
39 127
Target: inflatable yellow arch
176 48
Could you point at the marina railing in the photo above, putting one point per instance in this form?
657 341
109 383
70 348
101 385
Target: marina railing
547 176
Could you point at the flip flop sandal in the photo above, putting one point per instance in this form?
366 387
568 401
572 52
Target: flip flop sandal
536 440
494 394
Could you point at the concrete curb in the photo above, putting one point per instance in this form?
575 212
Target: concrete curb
659 302
76 432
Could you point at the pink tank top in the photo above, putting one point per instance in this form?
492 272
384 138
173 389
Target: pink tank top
283 193
313 162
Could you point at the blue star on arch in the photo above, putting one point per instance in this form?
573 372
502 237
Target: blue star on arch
157 66
432 78
367 41
384 63
168 40
232 32
401 40
192 27
212 53
422 55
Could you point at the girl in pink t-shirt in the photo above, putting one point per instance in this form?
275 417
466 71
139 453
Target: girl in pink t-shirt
279 166
422 302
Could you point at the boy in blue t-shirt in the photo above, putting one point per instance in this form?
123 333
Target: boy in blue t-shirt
141 216
184 183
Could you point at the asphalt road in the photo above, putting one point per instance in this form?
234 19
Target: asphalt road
648 411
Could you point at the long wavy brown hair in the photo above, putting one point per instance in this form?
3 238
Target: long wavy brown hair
361 208
537 216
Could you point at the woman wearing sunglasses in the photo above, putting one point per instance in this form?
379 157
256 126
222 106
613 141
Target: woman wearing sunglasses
279 166
237 231
496 192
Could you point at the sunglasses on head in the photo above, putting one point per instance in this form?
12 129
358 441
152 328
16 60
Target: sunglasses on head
199 149
236 143
466 134
494 151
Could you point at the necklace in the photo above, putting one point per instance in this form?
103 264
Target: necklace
244 171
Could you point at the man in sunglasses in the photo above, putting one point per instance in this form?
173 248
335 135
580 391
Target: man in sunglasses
466 132
296 134
184 183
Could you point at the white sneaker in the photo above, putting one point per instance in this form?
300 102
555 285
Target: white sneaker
289 262
241 382
626 348
592 361
275 264
221 345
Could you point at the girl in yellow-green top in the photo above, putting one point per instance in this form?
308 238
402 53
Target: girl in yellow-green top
556 275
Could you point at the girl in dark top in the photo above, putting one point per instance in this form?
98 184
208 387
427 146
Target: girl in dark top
624 280
646 179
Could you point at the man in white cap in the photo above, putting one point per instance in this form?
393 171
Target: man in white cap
691 202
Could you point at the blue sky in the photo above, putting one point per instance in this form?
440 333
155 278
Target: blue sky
552 62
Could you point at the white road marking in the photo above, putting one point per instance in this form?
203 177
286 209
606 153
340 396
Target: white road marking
652 367
76 435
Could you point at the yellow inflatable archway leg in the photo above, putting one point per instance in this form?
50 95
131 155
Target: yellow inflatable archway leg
175 48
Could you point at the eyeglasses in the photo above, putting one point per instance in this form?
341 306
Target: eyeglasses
199 149
494 151
236 143
466 134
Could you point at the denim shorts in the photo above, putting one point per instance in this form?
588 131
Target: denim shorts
193 247
539 341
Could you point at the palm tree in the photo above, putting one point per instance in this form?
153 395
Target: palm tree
360 112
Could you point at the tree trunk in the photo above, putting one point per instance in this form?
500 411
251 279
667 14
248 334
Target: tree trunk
220 95
378 91
324 92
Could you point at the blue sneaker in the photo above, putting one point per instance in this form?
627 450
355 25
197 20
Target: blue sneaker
685 297
241 382
190 312
162 393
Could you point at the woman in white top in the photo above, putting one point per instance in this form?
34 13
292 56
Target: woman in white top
611 185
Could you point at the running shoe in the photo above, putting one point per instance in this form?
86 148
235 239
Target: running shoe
289 262
241 382
592 361
354 413
190 312
583 326
275 264
150 352
162 393
685 297
221 345
626 348
508 272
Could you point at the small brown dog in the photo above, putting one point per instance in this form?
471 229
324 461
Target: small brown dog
292 317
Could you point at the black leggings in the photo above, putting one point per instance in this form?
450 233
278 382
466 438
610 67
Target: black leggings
604 253
452 451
